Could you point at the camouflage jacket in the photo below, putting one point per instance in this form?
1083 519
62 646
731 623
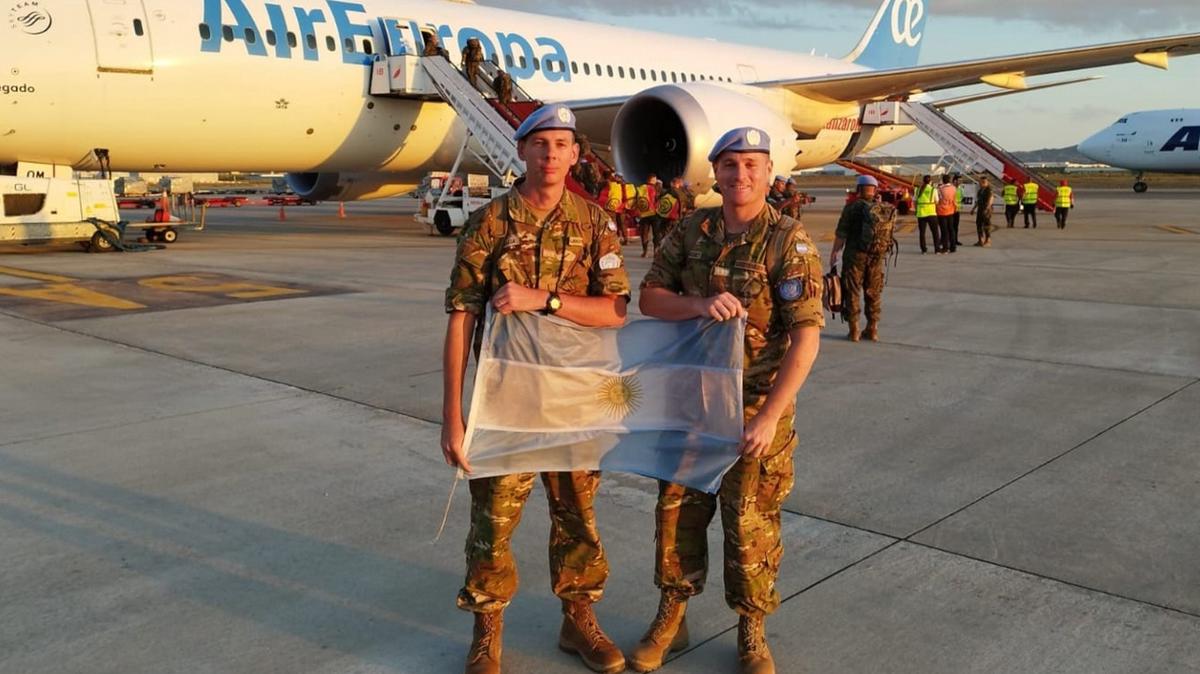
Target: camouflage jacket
574 252
850 224
773 268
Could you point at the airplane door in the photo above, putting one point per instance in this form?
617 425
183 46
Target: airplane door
122 36
397 38
748 73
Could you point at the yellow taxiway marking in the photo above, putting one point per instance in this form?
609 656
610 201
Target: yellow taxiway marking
35 275
1177 230
238 290
67 293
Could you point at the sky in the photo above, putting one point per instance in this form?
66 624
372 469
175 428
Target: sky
956 30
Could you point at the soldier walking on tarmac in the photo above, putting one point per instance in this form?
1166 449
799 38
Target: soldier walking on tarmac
983 212
865 238
516 255
742 259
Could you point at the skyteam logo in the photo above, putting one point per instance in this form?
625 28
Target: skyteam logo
30 18
906 21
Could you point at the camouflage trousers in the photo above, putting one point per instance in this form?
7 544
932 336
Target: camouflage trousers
863 277
751 499
578 568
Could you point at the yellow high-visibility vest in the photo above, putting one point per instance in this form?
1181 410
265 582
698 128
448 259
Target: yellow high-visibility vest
926 202
1010 195
1064 197
1031 194
958 197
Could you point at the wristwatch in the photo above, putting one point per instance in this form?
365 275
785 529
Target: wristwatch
553 304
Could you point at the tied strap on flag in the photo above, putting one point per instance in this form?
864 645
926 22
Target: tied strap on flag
656 398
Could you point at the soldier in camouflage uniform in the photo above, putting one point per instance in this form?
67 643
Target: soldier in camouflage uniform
741 260
538 248
862 269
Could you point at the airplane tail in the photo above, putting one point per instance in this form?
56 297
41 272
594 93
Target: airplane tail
893 40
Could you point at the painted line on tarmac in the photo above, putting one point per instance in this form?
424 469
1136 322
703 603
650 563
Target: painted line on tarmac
34 275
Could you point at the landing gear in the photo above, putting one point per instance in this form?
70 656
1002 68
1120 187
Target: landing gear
1140 185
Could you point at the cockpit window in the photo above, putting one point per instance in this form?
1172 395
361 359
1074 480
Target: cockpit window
1123 120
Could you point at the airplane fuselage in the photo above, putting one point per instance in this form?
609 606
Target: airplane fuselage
248 85
1159 141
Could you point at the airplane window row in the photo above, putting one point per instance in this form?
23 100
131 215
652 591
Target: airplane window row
310 40
618 71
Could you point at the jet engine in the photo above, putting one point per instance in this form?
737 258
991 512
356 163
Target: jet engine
347 186
669 130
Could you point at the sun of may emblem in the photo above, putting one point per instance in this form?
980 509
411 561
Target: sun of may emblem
620 396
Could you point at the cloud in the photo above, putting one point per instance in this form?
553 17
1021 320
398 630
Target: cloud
1165 16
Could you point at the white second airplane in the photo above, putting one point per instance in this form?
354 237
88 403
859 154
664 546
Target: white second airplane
251 85
1152 141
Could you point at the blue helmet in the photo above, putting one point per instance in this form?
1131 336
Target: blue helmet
864 181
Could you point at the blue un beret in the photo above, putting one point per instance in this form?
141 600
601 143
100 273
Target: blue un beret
867 181
744 139
547 118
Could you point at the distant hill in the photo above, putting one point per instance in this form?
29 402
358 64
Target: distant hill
1048 156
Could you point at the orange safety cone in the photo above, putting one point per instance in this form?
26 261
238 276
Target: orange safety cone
282 214
166 207
342 210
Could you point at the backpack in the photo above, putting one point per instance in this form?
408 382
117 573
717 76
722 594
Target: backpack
879 229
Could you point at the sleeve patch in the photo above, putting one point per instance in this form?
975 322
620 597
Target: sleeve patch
610 261
791 289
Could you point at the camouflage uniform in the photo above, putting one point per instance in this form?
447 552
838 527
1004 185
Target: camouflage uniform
862 272
775 269
579 255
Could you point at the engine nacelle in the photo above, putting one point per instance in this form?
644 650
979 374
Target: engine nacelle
669 130
347 186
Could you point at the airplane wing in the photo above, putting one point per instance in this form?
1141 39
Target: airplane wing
1007 72
986 96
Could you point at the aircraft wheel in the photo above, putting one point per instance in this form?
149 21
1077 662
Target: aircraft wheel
441 222
100 244
168 235
1140 187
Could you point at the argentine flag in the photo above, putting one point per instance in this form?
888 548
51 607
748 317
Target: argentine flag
655 398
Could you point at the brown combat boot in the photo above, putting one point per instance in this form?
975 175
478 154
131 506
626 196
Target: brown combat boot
581 635
667 634
484 656
872 333
753 655
853 336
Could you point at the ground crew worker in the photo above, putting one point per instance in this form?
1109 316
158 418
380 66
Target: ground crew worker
927 214
740 259
1012 202
1029 199
776 196
472 61
983 212
1064 201
669 211
647 211
502 85
946 208
538 248
958 202
863 264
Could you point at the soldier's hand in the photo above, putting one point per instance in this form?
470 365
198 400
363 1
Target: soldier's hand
722 307
757 437
453 435
514 297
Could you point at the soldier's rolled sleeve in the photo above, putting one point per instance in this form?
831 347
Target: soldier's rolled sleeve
667 270
797 294
608 275
469 278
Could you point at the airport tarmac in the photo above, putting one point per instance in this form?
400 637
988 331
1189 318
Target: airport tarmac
222 457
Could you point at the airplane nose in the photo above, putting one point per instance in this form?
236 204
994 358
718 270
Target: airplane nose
1092 147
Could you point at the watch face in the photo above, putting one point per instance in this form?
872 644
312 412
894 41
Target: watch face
555 303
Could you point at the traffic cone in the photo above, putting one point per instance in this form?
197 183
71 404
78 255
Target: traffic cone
342 210
166 207
282 214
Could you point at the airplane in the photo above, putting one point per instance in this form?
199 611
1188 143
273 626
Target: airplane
258 86
1151 141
